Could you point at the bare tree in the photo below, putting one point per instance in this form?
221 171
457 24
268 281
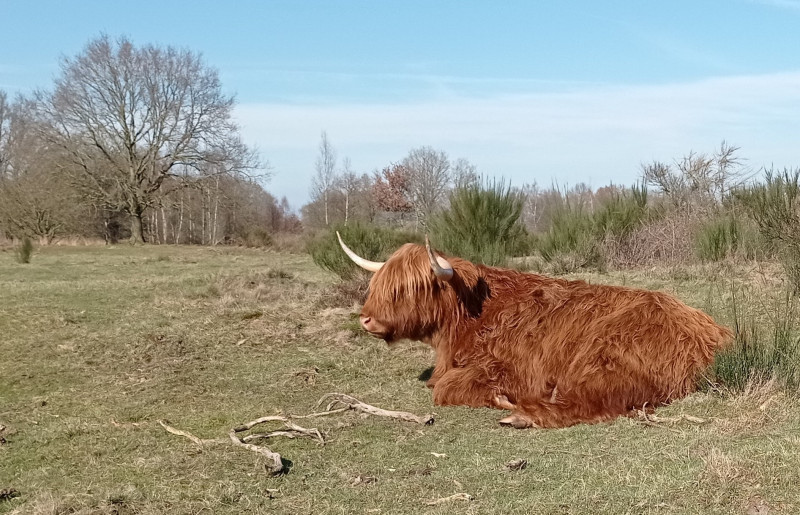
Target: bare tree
465 174
324 182
349 183
5 128
128 118
697 181
34 201
430 180
532 207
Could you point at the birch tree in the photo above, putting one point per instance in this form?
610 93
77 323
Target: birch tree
324 182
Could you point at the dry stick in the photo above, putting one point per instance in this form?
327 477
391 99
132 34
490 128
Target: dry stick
323 413
355 404
274 462
679 418
267 436
454 497
293 428
190 436
655 421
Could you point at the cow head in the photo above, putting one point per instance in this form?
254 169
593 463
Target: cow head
409 295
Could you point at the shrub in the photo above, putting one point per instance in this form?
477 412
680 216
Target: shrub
482 224
775 207
578 238
759 355
257 237
728 236
717 239
571 231
662 239
24 250
622 214
368 241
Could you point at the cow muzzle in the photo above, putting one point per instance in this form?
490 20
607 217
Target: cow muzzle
372 326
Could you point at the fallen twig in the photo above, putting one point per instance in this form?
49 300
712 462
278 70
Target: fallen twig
656 421
190 436
274 462
454 497
293 429
355 404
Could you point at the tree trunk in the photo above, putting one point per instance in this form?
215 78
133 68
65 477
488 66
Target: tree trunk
177 236
137 235
346 207
216 211
326 208
153 227
164 224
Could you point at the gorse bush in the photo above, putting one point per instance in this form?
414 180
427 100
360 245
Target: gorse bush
623 213
576 235
24 250
775 207
728 236
482 224
717 239
571 235
761 354
368 241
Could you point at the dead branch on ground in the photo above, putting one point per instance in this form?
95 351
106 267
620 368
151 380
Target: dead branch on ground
454 497
198 441
338 403
656 421
339 399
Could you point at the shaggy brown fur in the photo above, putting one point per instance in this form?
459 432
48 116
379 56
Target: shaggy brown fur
553 351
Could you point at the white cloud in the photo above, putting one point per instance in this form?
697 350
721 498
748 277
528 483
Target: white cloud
594 134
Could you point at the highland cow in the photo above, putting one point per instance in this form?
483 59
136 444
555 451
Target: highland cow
555 352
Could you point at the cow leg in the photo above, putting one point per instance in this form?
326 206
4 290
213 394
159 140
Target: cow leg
435 377
443 365
468 387
547 413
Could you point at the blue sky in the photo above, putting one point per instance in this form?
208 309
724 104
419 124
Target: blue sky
580 91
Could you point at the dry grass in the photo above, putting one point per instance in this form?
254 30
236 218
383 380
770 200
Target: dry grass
101 343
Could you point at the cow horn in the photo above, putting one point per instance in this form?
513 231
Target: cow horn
441 267
370 266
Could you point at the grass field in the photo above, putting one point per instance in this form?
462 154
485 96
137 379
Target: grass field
98 343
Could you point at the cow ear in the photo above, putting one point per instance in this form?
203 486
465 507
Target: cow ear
442 269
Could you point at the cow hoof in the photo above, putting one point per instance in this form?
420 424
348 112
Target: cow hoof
502 402
517 420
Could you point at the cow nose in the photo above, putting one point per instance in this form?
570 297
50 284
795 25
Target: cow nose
365 322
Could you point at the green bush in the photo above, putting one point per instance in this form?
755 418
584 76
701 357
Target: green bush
575 235
717 239
775 207
623 213
571 239
24 250
728 236
368 241
759 355
482 224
